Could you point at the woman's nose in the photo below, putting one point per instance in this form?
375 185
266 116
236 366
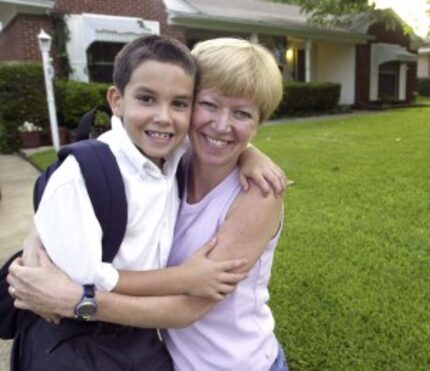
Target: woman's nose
222 122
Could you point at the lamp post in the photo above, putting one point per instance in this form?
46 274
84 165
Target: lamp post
45 45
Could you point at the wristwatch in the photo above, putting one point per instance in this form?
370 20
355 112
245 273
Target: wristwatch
87 306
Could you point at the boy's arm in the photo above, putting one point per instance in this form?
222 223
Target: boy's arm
69 230
47 289
199 276
255 166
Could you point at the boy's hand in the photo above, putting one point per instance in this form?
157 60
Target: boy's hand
209 278
256 166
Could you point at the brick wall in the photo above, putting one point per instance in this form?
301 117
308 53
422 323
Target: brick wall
18 41
146 9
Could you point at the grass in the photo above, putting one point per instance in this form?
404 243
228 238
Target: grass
350 285
43 159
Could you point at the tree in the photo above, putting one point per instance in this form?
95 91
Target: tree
334 13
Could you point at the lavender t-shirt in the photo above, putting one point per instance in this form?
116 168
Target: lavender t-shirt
237 334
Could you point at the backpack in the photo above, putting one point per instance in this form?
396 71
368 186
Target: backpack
105 187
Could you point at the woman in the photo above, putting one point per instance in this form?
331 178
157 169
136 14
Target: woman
240 87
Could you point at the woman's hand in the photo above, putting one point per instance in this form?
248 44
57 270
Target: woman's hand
44 289
212 279
256 166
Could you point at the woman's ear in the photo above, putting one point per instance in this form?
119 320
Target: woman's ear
114 99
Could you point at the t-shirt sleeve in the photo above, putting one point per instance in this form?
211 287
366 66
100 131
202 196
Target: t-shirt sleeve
70 231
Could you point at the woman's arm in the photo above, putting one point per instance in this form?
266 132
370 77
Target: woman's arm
251 222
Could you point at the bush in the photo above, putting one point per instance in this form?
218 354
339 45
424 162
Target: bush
423 87
300 98
23 98
74 98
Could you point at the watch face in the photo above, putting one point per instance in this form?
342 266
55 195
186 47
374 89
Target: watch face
86 309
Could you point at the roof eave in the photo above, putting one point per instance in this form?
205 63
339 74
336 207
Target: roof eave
264 27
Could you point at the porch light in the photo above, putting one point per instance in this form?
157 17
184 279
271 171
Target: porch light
289 55
45 46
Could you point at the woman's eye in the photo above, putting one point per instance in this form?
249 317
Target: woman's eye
207 104
242 115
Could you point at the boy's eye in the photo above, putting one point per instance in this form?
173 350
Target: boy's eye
146 98
182 104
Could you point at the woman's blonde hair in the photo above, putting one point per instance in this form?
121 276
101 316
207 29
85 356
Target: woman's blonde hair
236 67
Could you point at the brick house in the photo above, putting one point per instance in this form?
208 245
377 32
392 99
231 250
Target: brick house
370 62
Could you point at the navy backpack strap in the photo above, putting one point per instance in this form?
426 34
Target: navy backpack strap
105 187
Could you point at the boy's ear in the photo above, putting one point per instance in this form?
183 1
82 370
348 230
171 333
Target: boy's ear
114 99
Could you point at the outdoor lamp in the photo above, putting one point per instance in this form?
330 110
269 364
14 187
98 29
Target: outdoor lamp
45 45
44 41
289 55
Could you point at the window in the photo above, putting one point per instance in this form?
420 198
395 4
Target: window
388 80
101 56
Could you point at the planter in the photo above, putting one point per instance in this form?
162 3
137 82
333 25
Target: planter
30 139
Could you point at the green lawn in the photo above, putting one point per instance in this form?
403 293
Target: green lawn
351 281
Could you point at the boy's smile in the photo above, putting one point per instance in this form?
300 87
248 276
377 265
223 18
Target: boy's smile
155 107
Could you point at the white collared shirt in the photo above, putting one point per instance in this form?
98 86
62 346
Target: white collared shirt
72 235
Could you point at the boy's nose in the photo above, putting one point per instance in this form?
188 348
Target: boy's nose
163 116
222 122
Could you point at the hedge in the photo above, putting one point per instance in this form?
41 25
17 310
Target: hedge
423 87
310 97
74 98
22 98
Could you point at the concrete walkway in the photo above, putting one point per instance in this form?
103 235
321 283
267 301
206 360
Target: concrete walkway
17 177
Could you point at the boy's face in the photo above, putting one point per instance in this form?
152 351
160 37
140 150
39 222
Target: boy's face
155 108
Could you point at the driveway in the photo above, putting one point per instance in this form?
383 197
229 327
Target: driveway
17 177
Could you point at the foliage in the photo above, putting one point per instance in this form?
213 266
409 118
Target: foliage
349 287
28 127
7 140
75 98
340 13
300 97
423 86
60 38
22 98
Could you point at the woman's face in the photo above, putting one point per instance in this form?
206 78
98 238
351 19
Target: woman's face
221 127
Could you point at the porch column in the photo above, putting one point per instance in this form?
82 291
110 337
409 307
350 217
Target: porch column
254 38
308 60
402 81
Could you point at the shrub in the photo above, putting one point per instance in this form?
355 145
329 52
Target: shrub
311 97
423 87
22 98
74 98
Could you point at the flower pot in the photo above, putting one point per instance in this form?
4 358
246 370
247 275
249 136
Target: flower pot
30 139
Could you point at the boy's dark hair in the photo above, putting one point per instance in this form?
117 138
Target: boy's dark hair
156 48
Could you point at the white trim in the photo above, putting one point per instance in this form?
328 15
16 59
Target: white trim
308 60
381 53
402 81
88 28
36 3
